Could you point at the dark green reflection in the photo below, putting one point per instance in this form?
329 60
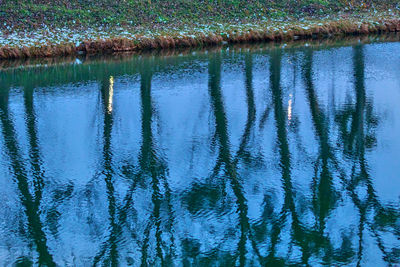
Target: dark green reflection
224 155
324 195
110 250
154 168
301 236
30 203
357 133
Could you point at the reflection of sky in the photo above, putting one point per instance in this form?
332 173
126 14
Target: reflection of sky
69 121
383 86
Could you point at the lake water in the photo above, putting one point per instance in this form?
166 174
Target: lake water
246 156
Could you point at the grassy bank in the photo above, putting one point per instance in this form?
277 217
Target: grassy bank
38 28
28 14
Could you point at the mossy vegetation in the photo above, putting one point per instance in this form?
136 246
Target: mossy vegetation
28 14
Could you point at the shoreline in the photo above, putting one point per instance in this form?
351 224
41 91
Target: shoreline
38 63
322 43
48 42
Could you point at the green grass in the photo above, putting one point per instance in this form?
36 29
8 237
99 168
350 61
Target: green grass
27 14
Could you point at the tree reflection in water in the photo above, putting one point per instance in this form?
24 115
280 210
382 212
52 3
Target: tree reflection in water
167 216
29 201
